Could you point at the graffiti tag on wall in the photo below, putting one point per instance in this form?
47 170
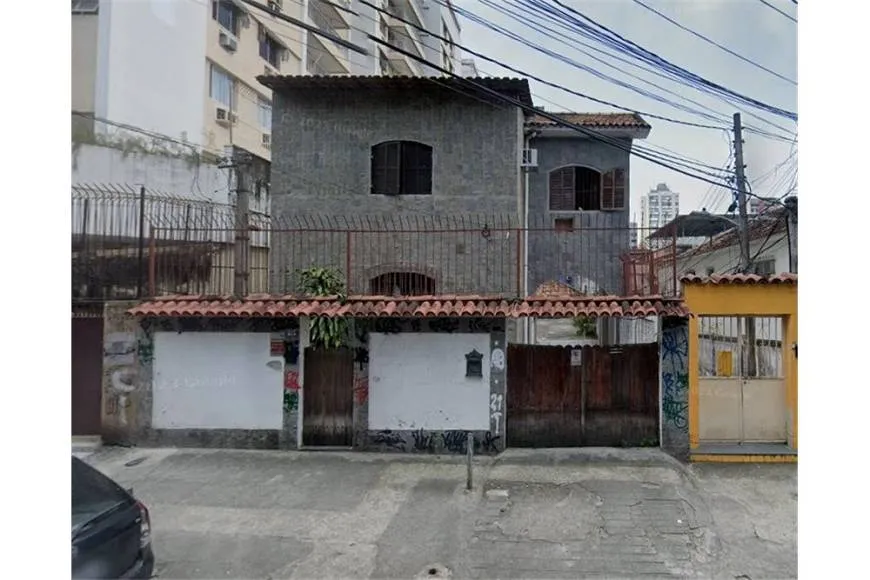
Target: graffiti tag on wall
675 377
495 404
291 390
361 389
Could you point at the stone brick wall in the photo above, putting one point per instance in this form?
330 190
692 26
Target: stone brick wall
321 165
674 367
590 255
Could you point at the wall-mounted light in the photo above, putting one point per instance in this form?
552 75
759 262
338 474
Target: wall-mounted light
474 364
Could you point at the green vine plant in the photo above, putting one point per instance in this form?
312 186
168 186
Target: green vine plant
319 282
586 327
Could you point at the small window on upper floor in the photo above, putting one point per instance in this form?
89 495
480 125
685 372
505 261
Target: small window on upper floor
577 188
401 168
227 14
270 49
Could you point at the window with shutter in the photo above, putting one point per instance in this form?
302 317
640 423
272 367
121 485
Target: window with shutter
401 168
575 189
562 189
613 190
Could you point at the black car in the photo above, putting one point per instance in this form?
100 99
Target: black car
111 530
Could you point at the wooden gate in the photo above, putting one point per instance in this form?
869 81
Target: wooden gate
327 404
609 399
87 374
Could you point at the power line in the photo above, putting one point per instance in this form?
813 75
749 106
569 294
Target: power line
613 38
676 159
531 109
527 17
714 43
772 7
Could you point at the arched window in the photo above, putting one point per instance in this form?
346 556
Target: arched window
402 284
577 188
401 168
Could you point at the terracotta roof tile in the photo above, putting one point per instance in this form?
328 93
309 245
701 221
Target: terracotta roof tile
600 120
410 307
740 279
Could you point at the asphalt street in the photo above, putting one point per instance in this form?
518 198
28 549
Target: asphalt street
541 514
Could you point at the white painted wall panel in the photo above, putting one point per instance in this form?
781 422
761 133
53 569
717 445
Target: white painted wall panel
216 380
151 65
417 381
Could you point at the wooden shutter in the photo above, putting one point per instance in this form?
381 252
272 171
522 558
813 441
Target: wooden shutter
416 169
562 189
386 168
613 190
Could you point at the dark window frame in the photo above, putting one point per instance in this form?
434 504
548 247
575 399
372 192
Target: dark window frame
227 15
580 188
270 49
401 168
408 284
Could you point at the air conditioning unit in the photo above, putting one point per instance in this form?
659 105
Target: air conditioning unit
530 158
267 140
228 42
223 116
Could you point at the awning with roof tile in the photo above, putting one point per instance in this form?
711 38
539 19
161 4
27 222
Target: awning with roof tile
408 307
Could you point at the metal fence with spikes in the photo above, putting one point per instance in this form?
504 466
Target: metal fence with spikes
131 241
422 255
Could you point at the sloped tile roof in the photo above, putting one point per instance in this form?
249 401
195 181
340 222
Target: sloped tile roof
601 120
740 279
408 307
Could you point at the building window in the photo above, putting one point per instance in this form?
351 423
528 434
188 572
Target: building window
402 284
222 87
401 168
227 15
583 189
264 115
270 50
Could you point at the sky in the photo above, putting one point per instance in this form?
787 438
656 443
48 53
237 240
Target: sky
746 27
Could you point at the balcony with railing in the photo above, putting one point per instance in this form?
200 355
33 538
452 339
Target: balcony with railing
326 56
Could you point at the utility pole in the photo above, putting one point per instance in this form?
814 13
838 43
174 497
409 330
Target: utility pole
791 207
240 166
743 231
741 195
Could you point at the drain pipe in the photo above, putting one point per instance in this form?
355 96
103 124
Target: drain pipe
527 333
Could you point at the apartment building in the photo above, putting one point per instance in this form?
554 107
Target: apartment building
658 207
188 69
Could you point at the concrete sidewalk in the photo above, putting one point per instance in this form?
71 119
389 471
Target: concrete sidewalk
535 514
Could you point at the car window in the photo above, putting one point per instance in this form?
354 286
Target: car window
92 493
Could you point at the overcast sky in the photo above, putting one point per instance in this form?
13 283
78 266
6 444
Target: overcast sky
747 27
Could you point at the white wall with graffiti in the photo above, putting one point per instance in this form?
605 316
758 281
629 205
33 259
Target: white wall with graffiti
216 380
419 381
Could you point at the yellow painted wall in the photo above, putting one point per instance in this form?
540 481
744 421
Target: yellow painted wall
743 300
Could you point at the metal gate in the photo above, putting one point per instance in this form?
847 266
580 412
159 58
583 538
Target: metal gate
590 396
741 387
87 373
327 404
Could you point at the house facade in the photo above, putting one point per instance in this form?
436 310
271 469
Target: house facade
578 200
411 151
